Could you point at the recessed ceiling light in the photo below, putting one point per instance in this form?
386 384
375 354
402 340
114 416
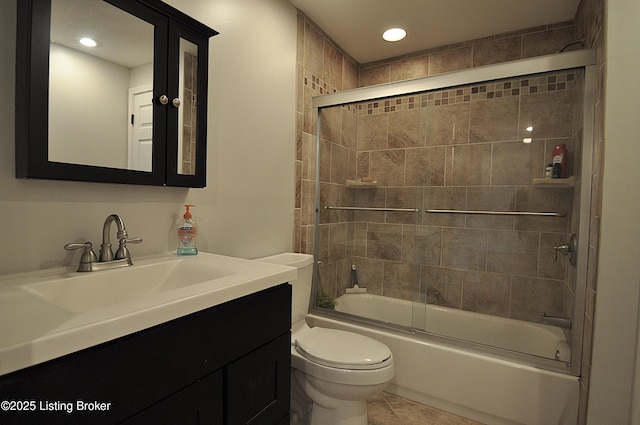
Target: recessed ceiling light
394 34
89 42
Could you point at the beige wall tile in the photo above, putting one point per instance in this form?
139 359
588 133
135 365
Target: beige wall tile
313 50
384 241
443 286
496 51
547 42
494 120
388 167
423 245
543 200
531 297
445 198
400 280
406 69
373 132
486 293
333 65
464 248
425 166
349 131
513 252
371 76
550 114
404 129
450 60
517 163
447 125
468 165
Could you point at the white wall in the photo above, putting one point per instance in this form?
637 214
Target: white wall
616 318
88 110
246 209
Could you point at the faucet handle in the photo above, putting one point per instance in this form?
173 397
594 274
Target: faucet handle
123 251
124 241
88 256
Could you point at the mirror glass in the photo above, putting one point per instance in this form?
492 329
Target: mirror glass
188 89
100 97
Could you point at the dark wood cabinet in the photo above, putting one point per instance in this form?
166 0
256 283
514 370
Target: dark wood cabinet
172 149
228 364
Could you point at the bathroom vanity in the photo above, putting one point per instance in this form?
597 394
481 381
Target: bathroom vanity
225 364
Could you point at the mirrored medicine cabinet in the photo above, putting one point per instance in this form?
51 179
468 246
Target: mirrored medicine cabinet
111 91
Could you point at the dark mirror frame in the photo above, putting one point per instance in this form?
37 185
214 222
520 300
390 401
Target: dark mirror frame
32 97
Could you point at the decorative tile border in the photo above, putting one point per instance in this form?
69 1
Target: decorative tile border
483 91
316 84
320 87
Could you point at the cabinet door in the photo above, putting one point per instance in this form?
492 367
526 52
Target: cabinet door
73 120
198 404
258 385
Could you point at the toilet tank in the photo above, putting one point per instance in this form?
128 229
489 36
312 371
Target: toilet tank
300 287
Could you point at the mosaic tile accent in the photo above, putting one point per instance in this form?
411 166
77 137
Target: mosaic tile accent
321 87
316 84
492 90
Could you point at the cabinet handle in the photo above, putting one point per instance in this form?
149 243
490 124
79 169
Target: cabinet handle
176 102
163 99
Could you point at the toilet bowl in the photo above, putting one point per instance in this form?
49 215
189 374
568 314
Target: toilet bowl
333 372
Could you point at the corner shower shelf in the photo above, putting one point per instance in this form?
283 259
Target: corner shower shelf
355 184
554 183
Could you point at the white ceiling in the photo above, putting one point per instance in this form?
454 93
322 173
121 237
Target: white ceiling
357 25
123 38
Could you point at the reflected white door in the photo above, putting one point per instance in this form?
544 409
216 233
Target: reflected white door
141 128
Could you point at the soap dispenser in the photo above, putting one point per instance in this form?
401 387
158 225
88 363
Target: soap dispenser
187 233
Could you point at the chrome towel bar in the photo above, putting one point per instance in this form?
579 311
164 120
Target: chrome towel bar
412 210
521 213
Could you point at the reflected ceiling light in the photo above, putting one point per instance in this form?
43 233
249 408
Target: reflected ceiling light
527 140
89 42
394 34
530 128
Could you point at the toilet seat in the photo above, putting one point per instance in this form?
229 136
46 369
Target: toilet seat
342 350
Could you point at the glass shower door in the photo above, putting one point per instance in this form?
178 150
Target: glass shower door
367 213
438 202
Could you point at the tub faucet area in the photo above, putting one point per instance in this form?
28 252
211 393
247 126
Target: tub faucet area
89 262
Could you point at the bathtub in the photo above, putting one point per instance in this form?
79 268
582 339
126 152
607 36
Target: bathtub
515 335
450 376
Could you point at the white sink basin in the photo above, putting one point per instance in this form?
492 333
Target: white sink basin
46 314
92 290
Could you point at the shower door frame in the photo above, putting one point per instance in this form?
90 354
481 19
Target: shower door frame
585 59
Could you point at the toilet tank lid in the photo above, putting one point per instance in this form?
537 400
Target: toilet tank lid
290 259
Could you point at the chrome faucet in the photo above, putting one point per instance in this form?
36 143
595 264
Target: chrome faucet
89 262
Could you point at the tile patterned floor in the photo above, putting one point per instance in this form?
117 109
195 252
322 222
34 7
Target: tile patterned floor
389 409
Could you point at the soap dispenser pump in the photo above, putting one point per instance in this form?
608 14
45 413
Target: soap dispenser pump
187 233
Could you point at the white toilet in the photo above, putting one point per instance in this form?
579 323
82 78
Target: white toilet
333 372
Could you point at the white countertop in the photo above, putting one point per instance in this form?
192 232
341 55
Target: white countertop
33 330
